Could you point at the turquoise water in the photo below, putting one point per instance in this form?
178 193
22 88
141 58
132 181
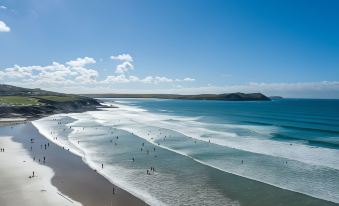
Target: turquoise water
196 146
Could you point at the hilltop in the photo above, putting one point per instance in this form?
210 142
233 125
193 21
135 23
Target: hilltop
225 97
34 103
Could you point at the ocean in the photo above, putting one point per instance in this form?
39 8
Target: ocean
280 152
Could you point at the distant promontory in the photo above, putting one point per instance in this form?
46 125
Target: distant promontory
225 97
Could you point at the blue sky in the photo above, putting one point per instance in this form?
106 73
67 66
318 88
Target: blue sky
288 48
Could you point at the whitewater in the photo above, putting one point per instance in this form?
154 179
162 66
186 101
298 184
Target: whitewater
183 138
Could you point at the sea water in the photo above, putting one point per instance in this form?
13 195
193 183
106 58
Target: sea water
194 146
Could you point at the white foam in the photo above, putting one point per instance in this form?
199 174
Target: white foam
189 126
324 157
44 129
138 121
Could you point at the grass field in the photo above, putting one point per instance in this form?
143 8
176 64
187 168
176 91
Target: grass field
65 98
18 100
31 101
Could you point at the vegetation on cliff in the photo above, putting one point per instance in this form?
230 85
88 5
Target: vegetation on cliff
33 103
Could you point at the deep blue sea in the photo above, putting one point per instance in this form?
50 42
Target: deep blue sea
209 152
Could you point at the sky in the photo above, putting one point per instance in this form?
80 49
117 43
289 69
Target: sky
286 48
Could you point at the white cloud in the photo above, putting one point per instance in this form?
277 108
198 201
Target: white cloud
66 78
162 79
148 80
3 7
123 57
86 75
4 27
156 80
73 72
124 67
73 76
188 79
120 79
80 62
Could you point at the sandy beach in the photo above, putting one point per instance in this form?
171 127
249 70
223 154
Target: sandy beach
62 179
11 121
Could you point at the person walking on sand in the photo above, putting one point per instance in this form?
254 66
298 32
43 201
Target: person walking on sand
113 191
33 174
102 166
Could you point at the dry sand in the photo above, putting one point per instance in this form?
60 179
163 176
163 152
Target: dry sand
16 188
64 179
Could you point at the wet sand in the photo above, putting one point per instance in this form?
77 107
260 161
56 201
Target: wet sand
72 177
18 186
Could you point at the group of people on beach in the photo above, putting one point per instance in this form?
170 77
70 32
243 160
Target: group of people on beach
151 171
43 147
33 175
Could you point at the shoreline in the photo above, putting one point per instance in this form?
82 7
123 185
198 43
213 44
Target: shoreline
75 164
12 121
19 186
72 177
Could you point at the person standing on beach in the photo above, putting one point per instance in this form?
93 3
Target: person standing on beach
102 166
